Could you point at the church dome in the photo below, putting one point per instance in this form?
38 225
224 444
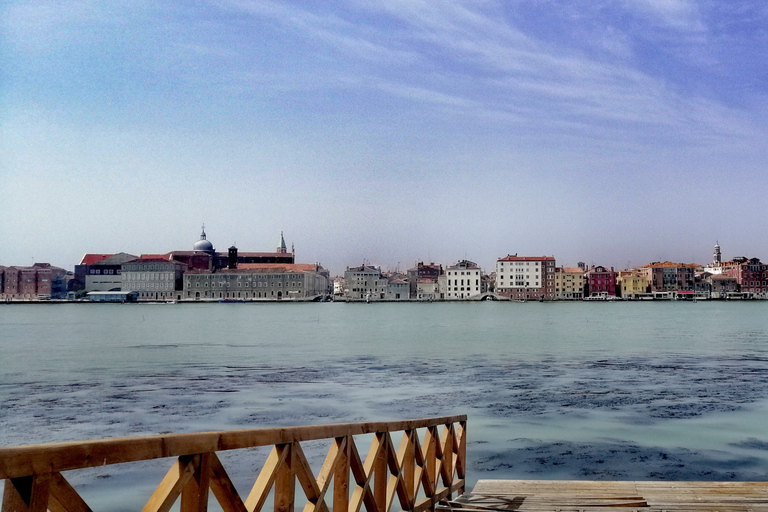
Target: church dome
203 244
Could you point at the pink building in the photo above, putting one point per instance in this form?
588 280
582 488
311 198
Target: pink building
601 281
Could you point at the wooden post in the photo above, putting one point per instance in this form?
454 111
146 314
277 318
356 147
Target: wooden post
194 495
341 480
380 474
461 462
285 483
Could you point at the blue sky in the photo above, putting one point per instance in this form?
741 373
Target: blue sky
611 132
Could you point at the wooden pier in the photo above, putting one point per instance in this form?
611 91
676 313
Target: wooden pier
599 496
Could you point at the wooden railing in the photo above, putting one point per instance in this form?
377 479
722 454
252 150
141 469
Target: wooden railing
423 470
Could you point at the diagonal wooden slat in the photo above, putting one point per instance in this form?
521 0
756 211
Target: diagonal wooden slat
223 488
429 455
64 498
266 478
362 474
396 484
170 488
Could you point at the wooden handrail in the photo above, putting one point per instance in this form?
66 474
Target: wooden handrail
33 480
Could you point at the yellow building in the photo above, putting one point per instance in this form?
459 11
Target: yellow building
631 283
569 283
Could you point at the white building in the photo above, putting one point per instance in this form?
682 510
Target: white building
526 277
463 280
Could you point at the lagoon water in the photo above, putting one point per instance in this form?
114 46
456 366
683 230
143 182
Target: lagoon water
650 390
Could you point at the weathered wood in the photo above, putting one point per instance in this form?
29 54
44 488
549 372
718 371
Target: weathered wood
600 496
18 461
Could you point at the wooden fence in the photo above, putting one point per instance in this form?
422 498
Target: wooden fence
420 472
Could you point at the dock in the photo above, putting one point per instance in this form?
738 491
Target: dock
605 496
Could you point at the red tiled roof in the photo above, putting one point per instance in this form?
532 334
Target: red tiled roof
90 259
527 258
573 270
669 264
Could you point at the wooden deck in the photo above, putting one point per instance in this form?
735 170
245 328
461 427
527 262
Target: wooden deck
598 496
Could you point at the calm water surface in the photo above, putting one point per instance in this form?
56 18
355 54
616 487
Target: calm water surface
583 390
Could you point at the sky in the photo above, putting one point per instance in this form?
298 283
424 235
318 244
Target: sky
613 132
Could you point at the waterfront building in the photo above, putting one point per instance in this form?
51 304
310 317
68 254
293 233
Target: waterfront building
721 286
398 288
702 285
427 288
601 281
751 276
204 256
421 271
258 281
83 269
153 276
631 284
41 281
666 276
365 282
104 274
463 280
526 277
569 283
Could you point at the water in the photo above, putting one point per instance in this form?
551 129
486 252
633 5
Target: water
563 390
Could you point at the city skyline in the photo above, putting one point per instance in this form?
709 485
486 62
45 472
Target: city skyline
615 133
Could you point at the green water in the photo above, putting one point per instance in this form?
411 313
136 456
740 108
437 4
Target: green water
578 390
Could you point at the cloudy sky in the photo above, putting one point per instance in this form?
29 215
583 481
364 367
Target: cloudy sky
615 132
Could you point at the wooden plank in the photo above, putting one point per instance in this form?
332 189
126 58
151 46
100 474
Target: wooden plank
174 481
19 461
223 488
64 498
601 496
285 483
341 479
